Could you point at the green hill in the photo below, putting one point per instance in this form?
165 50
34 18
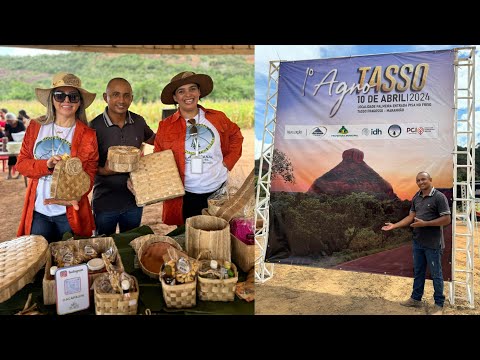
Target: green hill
233 75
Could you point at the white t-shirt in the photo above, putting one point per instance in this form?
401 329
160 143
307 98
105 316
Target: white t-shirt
214 173
51 139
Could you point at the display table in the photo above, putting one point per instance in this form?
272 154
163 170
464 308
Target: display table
6 153
150 296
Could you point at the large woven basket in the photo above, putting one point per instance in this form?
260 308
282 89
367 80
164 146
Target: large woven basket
69 180
156 179
242 254
115 304
147 241
123 158
208 233
217 289
102 243
180 296
20 260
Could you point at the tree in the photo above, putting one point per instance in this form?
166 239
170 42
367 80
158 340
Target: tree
282 167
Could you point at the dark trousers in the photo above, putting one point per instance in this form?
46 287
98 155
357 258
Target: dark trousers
422 257
128 219
51 228
194 203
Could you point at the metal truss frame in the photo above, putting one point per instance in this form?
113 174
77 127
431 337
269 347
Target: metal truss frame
264 271
464 94
462 284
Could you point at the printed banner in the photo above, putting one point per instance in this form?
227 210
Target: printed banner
351 135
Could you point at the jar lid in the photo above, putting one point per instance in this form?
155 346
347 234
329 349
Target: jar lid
53 269
95 264
125 284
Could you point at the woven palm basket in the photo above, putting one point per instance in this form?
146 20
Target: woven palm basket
242 254
69 180
149 240
156 179
123 158
101 243
180 296
239 201
115 304
217 289
20 260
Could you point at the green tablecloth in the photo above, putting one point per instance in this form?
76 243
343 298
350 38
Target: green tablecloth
150 296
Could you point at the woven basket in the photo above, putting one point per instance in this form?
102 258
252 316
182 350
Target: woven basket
179 296
115 304
217 289
236 203
20 260
242 254
69 180
156 179
151 239
123 158
208 233
103 243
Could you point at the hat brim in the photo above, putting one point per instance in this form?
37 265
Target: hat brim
43 94
204 81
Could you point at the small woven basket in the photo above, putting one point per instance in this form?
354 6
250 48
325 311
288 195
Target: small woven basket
156 179
123 158
115 304
217 289
180 296
69 180
242 254
151 239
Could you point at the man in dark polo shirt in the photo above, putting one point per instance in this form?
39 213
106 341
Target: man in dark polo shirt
113 203
428 214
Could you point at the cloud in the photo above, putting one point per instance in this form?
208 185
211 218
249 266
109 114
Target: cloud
258 148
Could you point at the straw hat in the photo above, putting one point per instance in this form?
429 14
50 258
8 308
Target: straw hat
65 79
186 77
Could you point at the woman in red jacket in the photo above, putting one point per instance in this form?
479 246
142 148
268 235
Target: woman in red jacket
63 130
205 142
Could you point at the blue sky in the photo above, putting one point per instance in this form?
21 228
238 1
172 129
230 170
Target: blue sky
266 53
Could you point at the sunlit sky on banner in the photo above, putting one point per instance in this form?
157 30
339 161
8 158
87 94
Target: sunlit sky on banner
266 53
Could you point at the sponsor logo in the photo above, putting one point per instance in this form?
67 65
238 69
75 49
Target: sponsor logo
319 131
419 130
376 131
394 131
365 131
343 130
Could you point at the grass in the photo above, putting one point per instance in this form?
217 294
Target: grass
240 112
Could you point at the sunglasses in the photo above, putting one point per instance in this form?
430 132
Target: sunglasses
193 128
60 96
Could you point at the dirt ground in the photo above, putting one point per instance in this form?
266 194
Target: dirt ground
300 290
13 193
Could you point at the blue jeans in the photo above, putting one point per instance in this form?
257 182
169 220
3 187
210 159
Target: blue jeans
106 221
433 257
51 228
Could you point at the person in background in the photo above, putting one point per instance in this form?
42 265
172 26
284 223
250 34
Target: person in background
13 126
22 116
3 121
63 130
428 214
205 142
113 203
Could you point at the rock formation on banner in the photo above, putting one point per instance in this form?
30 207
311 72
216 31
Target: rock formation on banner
353 175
